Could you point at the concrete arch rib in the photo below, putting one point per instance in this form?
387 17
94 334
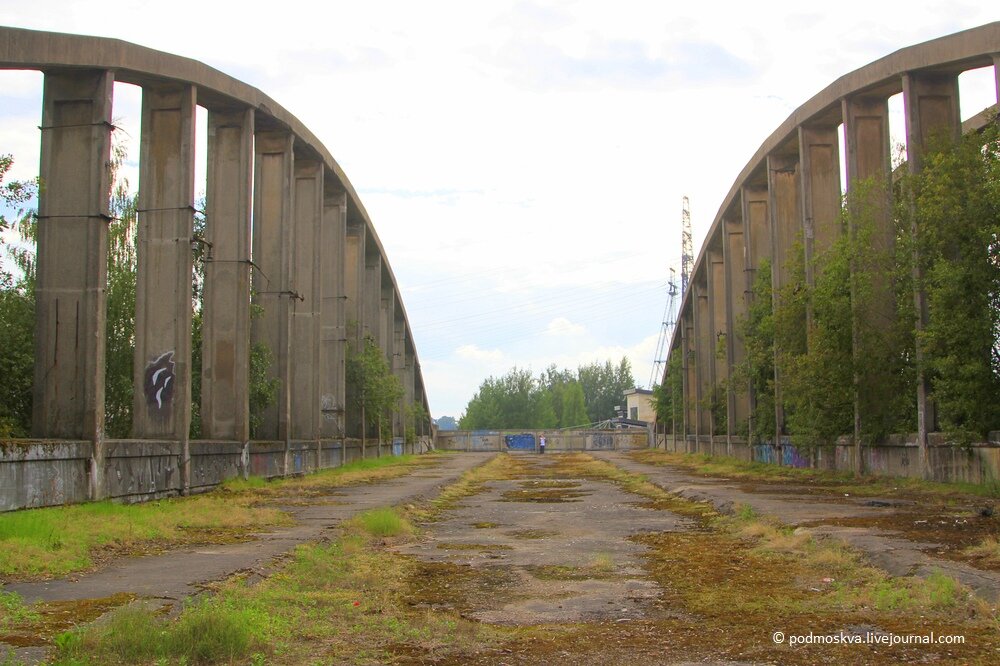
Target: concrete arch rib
22 49
951 54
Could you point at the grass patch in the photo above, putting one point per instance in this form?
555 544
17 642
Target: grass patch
987 552
341 602
59 540
55 541
381 522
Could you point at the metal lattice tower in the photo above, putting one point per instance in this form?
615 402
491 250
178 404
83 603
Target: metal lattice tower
666 330
687 246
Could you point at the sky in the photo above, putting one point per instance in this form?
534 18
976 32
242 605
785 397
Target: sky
523 162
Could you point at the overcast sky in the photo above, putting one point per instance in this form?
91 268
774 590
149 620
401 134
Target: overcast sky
523 162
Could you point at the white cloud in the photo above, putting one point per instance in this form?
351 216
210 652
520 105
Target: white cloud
561 327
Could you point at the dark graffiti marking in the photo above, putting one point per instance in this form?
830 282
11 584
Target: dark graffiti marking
158 384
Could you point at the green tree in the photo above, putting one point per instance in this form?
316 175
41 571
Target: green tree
378 390
756 372
574 408
17 308
956 215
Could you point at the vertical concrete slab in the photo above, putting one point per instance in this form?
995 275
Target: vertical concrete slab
304 278
720 328
704 349
757 240
687 364
333 343
72 256
354 279
225 395
401 363
931 107
736 288
162 371
820 166
408 371
387 316
783 178
371 297
273 238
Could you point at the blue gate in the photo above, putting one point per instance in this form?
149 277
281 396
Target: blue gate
524 442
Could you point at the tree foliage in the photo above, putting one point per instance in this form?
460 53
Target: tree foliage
378 391
555 399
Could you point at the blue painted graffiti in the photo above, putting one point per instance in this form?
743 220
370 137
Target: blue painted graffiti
397 446
525 442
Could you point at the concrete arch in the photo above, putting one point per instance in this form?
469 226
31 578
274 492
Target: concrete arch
322 274
792 185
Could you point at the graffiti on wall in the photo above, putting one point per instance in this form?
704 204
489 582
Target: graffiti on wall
158 384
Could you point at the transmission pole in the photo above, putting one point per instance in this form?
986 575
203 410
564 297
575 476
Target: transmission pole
666 330
687 246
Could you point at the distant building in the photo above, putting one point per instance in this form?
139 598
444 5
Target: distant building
446 423
639 405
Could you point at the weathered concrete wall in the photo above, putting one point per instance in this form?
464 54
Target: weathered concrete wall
979 463
37 473
555 440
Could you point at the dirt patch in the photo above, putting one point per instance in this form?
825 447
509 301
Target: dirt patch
55 617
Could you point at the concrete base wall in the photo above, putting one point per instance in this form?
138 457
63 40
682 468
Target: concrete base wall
979 463
37 473
555 440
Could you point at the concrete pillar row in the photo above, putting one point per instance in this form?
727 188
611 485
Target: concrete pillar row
162 370
273 240
931 108
72 260
305 282
225 395
333 339
735 288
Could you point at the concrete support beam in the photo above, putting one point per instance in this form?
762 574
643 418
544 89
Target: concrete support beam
820 165
736 290
354 313
72 256
757 243
333 342
704 355
225 396
401 363
931 107
371 299
718 311
304 278
387 316
162 371
408 371
686 322
783 186
272 250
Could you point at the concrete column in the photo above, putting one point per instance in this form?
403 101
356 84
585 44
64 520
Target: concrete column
387 316
734 258
273 238
786 226
757 244
354 313
307 247
687 364
72 256
704 354
932 114
869 163
371 299
162 371
408 372
333 351
720 327
401 363
225 395
820 154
